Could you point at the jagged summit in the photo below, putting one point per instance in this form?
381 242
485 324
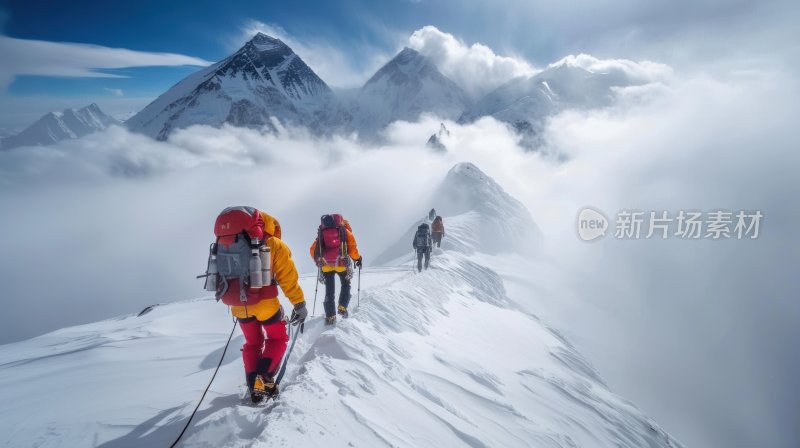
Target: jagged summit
265 41
435 142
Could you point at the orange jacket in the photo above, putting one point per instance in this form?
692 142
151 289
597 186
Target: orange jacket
352 251
438 225
285 273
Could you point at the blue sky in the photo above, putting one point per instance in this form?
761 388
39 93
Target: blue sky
344 41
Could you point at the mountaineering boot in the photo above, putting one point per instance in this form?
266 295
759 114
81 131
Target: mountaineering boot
256 387
342 310
330 320
270 388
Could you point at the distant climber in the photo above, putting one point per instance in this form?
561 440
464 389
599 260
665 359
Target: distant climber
432 214
246 264
437 231
423 245
332 251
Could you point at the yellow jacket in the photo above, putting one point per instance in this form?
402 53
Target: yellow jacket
285 273
352 251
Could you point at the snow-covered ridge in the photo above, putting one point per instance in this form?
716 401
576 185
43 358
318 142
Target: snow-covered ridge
447 357
54 127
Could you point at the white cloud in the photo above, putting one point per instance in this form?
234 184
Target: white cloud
115 92
638 72
36 57
335 67
474 67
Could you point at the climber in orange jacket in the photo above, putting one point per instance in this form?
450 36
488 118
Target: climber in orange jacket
332 250
437 231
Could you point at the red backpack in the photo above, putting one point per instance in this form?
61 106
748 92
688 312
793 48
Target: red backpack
236 228
332 240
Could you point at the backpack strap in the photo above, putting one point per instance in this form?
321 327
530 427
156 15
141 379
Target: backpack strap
343 245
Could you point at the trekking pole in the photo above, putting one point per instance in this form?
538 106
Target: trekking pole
358 294
316 288
282 370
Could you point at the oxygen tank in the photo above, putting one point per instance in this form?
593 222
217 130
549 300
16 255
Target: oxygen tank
256 280
212 271
266 264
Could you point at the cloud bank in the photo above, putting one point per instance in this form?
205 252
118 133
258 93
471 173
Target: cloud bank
641 72
36 57
476 68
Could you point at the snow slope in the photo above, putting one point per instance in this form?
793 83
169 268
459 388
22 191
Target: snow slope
447 357
57 126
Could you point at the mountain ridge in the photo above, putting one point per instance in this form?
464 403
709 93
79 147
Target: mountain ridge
54 127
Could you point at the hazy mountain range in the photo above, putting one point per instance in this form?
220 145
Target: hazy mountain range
265 84
265 79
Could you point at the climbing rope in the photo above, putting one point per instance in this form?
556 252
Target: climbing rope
221 358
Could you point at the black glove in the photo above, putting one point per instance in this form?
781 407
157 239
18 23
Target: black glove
359 262
299 314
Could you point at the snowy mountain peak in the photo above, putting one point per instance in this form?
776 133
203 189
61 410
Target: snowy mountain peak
504 223
436 141
263 79
405 87
490 220
54 127
266 42
407 64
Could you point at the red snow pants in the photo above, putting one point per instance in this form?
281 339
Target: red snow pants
264 344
